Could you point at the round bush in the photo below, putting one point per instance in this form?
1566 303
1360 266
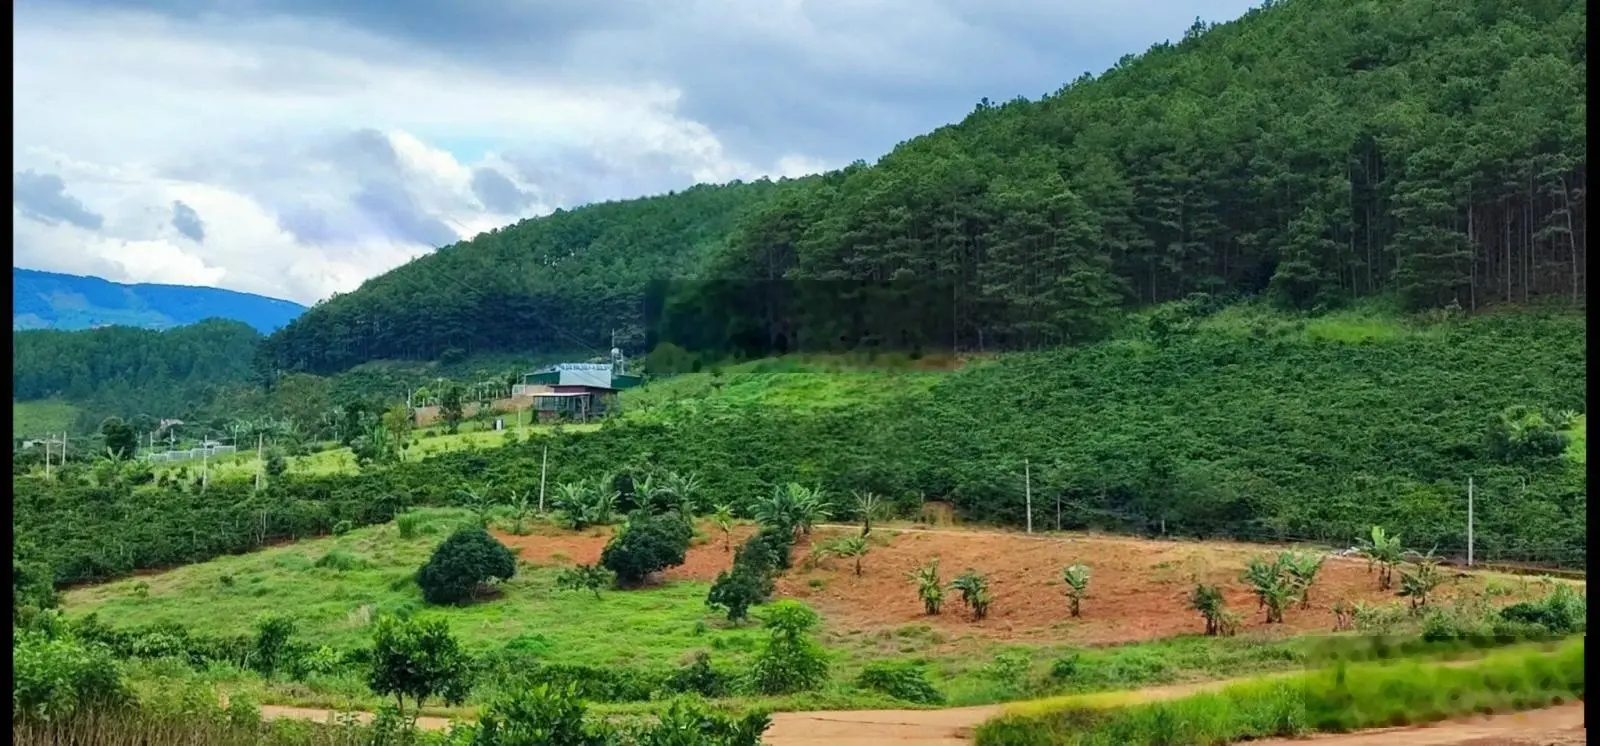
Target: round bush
463 562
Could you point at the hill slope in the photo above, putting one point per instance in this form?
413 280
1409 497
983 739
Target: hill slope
47 300
1239 424
1314 150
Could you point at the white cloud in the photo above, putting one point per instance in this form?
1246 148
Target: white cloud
251 126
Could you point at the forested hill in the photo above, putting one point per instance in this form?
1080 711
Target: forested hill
563 282
1313 150
125 371
49 300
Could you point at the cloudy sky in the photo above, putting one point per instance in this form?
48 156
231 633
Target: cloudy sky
296 147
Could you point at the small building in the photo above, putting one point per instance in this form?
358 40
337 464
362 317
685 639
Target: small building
575 391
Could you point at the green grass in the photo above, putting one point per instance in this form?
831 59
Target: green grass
33 419
1577 447
1337 699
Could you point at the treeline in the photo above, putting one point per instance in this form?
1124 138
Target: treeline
1314 151
1254 433
126 371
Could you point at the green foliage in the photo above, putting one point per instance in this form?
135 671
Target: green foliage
538 716
789 660
1076 578
32 589
450 406
1563 612
646 544
929 588
271 643
1382 550
586 503
1339 699
1208 600
848 547
54 679
699 676
467 559
736 590
904 681
1418 585
584 578
419 659
120 439
791 507
974 588
1523 434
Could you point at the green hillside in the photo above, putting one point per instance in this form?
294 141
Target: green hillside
1240 423
1313 151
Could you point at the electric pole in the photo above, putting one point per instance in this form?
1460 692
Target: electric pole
1027 482
544 463
1469 521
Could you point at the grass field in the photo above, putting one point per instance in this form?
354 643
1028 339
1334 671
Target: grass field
33 419
1133 634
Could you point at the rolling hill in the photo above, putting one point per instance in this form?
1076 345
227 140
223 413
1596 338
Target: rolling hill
48 300
1313 151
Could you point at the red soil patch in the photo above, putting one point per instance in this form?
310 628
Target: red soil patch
1139 588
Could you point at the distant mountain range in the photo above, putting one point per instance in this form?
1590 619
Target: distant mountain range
47 300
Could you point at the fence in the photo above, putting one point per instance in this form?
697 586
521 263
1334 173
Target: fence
193 453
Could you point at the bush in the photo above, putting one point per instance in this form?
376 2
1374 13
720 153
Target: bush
698 676
466 560
535 716
418 659
738 589
57 679
408 523
903 681
647 544
1563 612
583 578
789 661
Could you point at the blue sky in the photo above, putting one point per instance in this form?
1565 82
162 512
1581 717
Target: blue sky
295 148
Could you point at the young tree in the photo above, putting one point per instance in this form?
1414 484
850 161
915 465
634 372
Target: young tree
120 438
1384 551
850 547
1418 586
929 588
868 506
736 590
271 644
1273 584
789 660
522 507
450 406
1077 579
647 544
463 562
539 715
682 492
584 578
974 590
1303 569
418 659
1207 599
723 518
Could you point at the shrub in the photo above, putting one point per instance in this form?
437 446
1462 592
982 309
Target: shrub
738 589
466 560
699 676
57 679
929 588
1563 612
1077 579
903 681
340 560
974 590
538 715
583 578
645 545
408 523
271 644
1009 671
789 660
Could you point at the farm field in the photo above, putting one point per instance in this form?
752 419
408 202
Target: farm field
37 418
1136 628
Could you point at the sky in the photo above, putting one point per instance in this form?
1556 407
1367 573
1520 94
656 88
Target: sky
295 148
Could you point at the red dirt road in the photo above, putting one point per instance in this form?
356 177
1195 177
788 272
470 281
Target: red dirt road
1138 591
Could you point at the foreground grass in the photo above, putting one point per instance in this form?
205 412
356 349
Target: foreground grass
1337 699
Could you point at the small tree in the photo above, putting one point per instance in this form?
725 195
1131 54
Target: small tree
681 492
583 578
120 438
929 588
723 518
462 563
1303 569
868 506
974 590
1273 584
522 508
271 643
789 661
647 544
1384 551
1343 614
418 659
849 547
737 590
1418 585
1207 599
1077 579
450 406
538 715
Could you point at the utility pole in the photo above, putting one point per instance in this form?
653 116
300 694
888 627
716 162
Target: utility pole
205 465
544 463
1469 521
260 465
47 440
1027 482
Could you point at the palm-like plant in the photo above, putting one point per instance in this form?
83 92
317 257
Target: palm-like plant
1303 569
572 499
723 518
850 547
479 503
810 507
1077 579
776 511
1207 599
868 506
683 491
1273 584
521 508
929 588
974 590
1382 550
1418 586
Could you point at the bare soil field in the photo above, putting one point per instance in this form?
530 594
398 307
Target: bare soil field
1138 591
